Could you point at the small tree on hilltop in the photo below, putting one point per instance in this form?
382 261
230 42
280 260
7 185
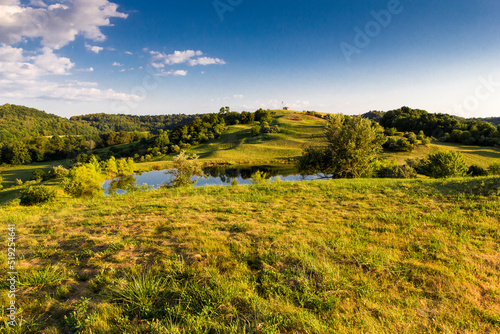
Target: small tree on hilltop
185 168
353 144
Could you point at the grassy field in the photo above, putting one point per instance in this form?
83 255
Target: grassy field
339 256
24 173
474 155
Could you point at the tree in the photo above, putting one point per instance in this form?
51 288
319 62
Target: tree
353 143
20 154
185 168
162 140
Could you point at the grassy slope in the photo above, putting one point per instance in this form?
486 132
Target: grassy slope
297 132
345 256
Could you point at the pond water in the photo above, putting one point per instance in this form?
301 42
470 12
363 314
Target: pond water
217 176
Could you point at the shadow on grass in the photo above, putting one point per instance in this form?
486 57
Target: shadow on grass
9 195
483 151
480 186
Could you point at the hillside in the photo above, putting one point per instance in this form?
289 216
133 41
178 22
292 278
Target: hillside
297 131
17 122
117 123
493 120
341 256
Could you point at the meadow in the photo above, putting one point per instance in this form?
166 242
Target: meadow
337 256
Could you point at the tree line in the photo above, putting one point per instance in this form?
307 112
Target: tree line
444 127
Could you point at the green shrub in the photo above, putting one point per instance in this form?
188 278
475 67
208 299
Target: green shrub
475 170
37 195
19 182
84 180
444 164
57 172
397 172
1 181
255 130
494 168
38 175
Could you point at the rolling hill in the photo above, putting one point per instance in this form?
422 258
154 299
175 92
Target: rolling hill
18 122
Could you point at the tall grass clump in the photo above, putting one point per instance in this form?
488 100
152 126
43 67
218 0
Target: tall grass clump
140 293
40 278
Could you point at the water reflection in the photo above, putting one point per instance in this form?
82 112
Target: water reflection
121 185
222 176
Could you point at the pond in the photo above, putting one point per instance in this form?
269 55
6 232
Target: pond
217 176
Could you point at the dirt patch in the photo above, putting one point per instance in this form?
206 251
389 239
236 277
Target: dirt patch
294 117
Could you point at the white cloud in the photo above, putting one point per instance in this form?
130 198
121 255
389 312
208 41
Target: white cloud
52 64
37 3
95 49
190 57
10 54
117 64
178 73
15 65
69 91
57 24
128 52
22 76
206 61
90 69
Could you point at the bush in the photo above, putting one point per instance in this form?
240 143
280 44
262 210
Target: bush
405 143
444 164
255 130
494 168
19 182
1 181
475 170
57 172
38 175
84 180
37 195
397 172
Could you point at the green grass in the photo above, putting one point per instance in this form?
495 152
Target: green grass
339 256
24 173
10 191
482 156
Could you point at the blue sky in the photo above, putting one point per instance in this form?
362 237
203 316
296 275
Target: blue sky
72 57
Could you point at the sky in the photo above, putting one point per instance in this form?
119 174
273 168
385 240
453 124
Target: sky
74 57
